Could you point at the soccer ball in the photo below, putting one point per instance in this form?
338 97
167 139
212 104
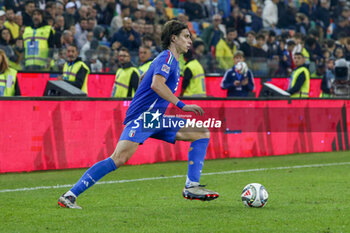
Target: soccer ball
241 68
254 195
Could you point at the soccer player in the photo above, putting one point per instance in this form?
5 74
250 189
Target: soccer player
154 94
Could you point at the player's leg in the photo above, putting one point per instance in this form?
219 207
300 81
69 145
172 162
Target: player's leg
197 151
123 152
196 156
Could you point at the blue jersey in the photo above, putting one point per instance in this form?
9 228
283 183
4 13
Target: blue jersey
145 98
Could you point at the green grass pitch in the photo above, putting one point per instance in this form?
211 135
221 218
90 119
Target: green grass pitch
301 198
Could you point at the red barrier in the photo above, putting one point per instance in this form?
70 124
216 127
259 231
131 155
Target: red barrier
42 135
100 85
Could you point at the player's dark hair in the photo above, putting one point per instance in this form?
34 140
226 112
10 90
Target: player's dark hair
172 27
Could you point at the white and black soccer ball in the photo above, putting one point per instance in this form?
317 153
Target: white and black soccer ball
241 68
254 195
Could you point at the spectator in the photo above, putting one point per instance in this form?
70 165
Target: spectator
238 83
247 46
19 19
320 69
236 20
148 29
193 10
299 85
309 7
322 14
104 55
127 76
6 43
10 23
212 34
198 48
59 28
184 18
82 13
145 58
8 78
342 26
75 71
161 16
108 13
193 83
339 53
272 46
226 48
270 14
66 39
205 10
258 51
28 13
16 5
148 41
127 37
59 8
285 63
150 15
286 14
257 22
81 32
313 48
299 40
136 15
91 24
19 53
87 46
302 23
290 48
327 80
69 15
134 4
94 64
38 39
117 21
347 49
50 9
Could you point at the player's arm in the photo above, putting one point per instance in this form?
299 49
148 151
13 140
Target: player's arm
158 85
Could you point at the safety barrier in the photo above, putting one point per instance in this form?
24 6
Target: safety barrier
43 133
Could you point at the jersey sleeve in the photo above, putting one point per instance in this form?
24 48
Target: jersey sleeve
163 64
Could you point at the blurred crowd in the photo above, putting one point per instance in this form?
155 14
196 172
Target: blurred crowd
268 32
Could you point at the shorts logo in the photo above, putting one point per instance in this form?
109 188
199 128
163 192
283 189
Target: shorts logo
151 120
132 133
166 68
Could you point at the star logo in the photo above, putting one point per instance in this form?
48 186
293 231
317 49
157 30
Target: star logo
156 115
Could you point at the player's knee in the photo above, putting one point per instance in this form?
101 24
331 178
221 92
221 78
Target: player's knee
120 157
204 133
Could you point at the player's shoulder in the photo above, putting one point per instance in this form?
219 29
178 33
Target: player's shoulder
165 57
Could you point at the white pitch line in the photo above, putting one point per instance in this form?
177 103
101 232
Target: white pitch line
178 176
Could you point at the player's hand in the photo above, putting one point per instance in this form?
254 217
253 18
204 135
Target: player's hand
193 108
236 83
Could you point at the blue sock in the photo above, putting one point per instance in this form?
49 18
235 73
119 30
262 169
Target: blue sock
196 156
92 175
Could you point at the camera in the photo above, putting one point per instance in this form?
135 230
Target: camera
341 83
